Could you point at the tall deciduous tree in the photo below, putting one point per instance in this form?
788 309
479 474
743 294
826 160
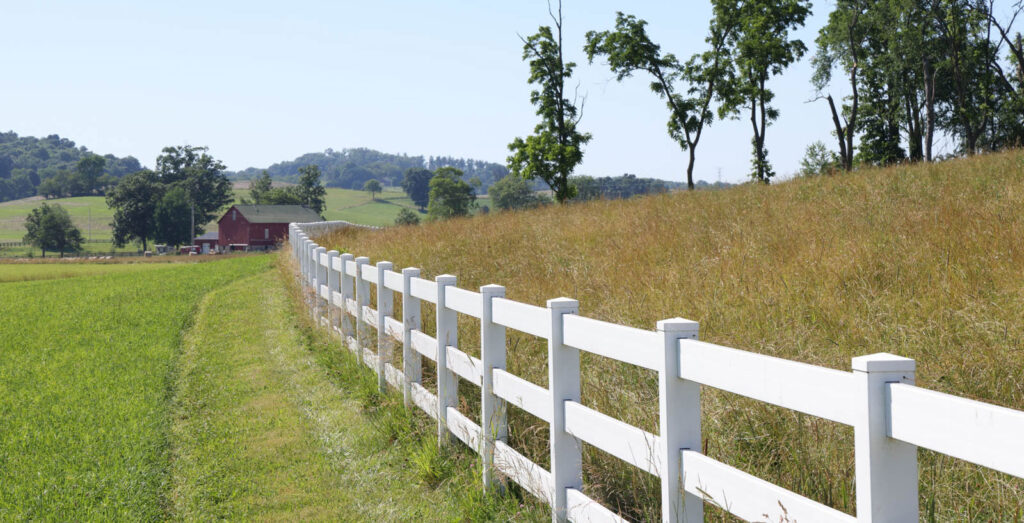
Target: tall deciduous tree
450 196
201 176
89 170
259 187
758 36
416 184
49 227
841 44
310 191
556 147
134 202
628 49
172 218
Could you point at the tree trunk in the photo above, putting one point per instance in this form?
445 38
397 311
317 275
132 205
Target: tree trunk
929 104
840 134
689 169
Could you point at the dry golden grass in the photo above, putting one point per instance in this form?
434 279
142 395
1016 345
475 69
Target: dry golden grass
924 261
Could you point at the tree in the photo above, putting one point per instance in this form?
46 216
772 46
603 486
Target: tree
628 49
49 227
89 170
134 202
450 196
259 187
201 176
282 196
172 218
513 192
416 184
760 47
556 147
310 191
372 186
819 160
406 217
841 43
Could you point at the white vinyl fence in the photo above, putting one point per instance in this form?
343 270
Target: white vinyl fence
890 416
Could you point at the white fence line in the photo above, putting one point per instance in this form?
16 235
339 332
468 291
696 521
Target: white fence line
891 417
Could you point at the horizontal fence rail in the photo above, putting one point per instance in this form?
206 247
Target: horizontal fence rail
891 417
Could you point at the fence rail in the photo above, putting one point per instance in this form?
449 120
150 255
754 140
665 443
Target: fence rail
891 417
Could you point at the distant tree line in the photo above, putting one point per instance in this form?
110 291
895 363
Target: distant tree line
53 167
308 192
352 168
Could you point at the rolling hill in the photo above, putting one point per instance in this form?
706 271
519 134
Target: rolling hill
925 261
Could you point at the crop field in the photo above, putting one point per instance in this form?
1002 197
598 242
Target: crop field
87 362
922 261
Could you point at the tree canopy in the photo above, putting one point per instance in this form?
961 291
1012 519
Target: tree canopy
416 184
450 196
49 227
556 147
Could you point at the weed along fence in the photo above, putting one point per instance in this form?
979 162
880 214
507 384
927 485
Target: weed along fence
890 416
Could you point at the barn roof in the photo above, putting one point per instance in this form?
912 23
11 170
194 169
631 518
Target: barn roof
277 213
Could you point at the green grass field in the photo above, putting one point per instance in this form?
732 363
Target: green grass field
193 391
90 213
86 367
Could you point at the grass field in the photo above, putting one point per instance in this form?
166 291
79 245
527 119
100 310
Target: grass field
90 213
86 366
922 261
191 391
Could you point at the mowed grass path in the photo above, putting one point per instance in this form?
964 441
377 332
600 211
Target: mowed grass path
85 373
262 432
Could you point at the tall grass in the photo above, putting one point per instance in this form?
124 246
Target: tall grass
924 261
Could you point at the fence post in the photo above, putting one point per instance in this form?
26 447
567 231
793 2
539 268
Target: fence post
321 281
348 292
385 308
412 363
447 334
493 422
679 424
362 300
310 272
564 382
333 286
886 468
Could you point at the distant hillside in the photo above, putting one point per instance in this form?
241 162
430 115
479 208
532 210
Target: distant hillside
27 161
350 168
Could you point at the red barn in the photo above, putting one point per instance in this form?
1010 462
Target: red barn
259 227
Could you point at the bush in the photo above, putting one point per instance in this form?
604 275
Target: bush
407 217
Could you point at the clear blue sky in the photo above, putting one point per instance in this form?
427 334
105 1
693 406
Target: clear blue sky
260 82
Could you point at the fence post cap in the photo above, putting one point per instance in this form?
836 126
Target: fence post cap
410 271
363 259
386 265
445 279
677 325
883 362
493 290
346 256
563 304
332 252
